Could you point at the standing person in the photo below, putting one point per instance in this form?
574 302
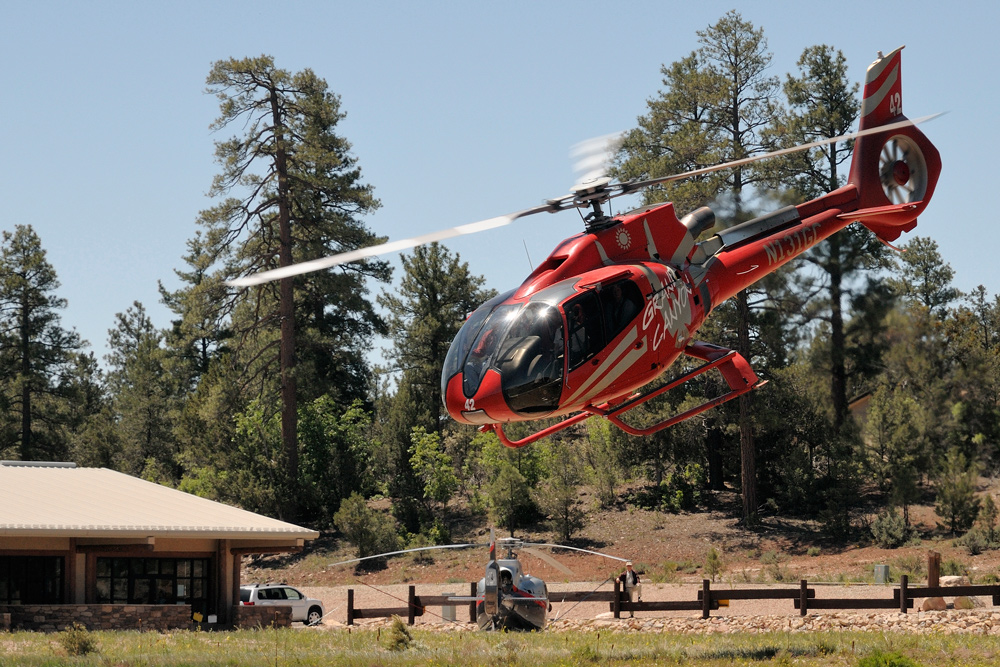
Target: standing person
630 580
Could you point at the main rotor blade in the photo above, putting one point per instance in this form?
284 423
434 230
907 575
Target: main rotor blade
541 555
385 248
407 551
563 546
628 188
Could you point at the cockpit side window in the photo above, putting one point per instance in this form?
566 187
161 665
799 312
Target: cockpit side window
621 302
586 330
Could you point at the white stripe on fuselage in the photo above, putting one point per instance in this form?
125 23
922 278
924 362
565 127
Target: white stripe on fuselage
609 363
616 372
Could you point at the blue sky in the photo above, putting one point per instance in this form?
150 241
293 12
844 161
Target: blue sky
457 112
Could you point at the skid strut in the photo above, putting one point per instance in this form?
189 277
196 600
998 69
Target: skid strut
733 367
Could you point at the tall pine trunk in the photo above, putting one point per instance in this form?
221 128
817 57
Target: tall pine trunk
748 457
286 309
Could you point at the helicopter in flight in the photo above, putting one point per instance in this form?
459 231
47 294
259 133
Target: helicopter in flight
613 307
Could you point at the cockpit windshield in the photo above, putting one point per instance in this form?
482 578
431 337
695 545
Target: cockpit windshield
531 359
485 347
462 344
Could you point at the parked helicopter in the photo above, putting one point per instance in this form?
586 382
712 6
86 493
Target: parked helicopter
614 306
507 597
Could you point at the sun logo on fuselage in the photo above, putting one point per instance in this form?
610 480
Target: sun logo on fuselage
623 238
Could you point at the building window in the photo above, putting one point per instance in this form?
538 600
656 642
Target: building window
153 581
31 579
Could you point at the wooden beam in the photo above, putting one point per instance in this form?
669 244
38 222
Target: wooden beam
245 551
112 548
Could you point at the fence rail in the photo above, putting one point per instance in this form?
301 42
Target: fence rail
803 599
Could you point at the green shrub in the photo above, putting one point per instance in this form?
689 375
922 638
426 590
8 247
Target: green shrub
975 541
399 637
713 564
890 530
681 490
951 567
812 552
371 532
774 568
77 640
893 659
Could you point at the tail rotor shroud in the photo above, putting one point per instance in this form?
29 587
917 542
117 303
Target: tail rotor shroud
902 170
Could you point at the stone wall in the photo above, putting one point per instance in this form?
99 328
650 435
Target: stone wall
262 616
52 618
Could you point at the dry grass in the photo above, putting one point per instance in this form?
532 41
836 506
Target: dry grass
371 647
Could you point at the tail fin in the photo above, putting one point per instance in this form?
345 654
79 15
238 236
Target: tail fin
895 171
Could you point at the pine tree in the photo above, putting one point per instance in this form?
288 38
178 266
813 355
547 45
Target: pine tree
141 398
956 500
38 357
823 104
291 191
436 293
717 105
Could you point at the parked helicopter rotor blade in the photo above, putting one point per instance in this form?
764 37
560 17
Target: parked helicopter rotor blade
408 551
563 546
541 555
634 186
385 248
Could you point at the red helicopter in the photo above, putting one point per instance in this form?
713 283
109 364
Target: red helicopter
613 307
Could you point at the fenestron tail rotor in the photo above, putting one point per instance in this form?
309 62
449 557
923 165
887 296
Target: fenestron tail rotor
902 170
593 192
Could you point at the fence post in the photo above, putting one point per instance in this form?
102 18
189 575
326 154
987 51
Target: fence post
473 592
411 605
903 581
616 606
706 598
803 597
350 606
933 569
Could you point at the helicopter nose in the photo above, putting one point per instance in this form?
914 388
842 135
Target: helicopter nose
483 407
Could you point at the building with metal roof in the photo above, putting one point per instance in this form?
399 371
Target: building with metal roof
90 540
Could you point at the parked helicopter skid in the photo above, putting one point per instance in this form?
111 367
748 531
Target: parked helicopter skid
614 306
507 597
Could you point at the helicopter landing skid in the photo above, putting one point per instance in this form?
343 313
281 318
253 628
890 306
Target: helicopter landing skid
733 367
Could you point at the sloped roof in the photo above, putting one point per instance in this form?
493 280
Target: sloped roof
42 499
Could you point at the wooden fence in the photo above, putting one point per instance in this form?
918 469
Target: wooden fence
803 598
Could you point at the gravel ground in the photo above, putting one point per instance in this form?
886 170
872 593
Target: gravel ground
573 614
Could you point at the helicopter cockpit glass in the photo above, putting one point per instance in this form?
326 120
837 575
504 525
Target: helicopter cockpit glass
462 344
485 347
506 581
531 360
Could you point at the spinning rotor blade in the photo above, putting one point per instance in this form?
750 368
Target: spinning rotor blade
592 156
407 551
589 192
384 248
633 186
